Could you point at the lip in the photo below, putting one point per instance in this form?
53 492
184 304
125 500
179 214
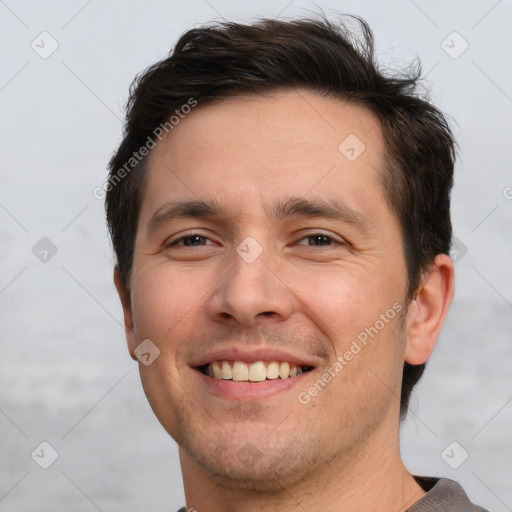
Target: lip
251 356
248 391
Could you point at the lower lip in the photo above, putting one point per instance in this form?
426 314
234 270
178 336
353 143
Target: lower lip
245 390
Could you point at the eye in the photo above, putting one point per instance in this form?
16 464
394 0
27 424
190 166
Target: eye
191 240
318 240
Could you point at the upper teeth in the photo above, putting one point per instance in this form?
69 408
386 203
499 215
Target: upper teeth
254 372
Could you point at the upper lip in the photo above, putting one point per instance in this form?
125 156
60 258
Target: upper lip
252 355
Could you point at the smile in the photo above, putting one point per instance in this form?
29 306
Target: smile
257 371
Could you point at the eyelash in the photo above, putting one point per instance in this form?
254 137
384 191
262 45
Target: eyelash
184 237
332 239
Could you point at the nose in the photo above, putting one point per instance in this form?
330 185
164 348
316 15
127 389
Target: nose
250 292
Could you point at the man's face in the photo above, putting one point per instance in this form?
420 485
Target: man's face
286 252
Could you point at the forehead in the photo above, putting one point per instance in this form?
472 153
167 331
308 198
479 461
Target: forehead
255 147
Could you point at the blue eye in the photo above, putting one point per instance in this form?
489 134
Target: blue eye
317 240
192 240
198 240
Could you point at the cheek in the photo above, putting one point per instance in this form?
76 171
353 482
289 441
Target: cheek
359 311
344 302
162 299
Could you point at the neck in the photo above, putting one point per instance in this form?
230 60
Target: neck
370 477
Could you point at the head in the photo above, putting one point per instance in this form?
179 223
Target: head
313 193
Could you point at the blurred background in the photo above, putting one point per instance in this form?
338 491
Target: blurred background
66 379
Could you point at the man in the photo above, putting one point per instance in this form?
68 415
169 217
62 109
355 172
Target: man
280 215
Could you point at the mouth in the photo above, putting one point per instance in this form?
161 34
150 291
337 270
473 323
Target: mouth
255 372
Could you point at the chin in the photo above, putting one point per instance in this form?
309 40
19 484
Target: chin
253 460
264 474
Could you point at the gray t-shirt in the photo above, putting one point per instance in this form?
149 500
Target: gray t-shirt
443 495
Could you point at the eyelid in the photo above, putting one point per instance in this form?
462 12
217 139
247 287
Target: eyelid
175 239
319 232
172 241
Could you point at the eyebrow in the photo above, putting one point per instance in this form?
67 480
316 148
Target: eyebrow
183 210
292 207
334 209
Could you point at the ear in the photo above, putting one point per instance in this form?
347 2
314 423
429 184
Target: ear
428 310
124 295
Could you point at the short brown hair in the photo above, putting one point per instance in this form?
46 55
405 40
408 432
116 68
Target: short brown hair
229 59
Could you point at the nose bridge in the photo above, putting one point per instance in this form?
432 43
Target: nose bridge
251 290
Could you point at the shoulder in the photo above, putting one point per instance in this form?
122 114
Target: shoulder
443 495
